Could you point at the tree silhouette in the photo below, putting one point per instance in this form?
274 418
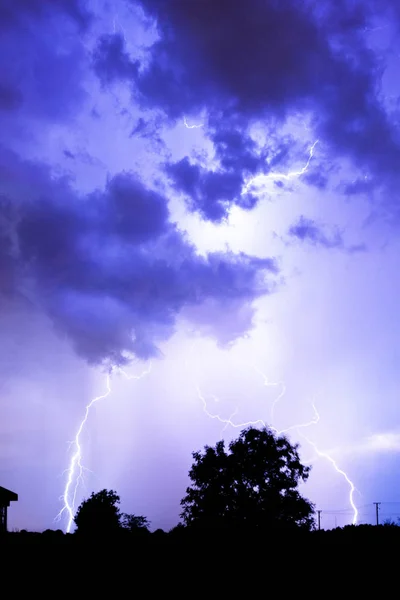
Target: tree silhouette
252 485
99 514
134 523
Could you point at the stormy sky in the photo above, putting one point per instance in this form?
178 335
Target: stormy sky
206 192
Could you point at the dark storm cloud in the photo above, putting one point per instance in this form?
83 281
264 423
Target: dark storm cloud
132 212
317 179
264 61
360 186
111 61
224 55
80 155
41 59
236 150
150 130
10 98
16 10
7 266
110 268
69 154
308 231
144 129
211 193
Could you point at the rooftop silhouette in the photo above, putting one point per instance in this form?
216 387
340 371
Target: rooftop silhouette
6 497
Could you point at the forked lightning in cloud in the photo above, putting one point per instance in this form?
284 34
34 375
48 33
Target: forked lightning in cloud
256 423
191 126
259 180
292 174
268 383
75 470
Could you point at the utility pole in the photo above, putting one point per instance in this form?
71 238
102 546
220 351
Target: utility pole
319 519
377 511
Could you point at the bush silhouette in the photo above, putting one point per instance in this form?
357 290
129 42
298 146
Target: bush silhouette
99 514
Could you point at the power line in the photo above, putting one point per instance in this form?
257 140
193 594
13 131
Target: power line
377 511
360 507
371 515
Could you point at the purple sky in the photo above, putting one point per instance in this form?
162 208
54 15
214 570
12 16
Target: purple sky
209 188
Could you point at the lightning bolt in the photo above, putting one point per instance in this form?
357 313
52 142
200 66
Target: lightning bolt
304 169
191 126
268 383
75 470
260 179
329 458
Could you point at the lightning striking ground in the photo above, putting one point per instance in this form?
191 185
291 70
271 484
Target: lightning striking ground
296 427
319 453
338 470
75 470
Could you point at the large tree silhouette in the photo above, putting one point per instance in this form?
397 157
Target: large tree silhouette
253 485
99 514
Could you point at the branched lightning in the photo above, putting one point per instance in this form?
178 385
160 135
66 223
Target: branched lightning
256 423
296 427
319 453
76 469
76 465
292 174
269 383
287 176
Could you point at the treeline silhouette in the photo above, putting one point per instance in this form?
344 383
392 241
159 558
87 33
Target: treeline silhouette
242 494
